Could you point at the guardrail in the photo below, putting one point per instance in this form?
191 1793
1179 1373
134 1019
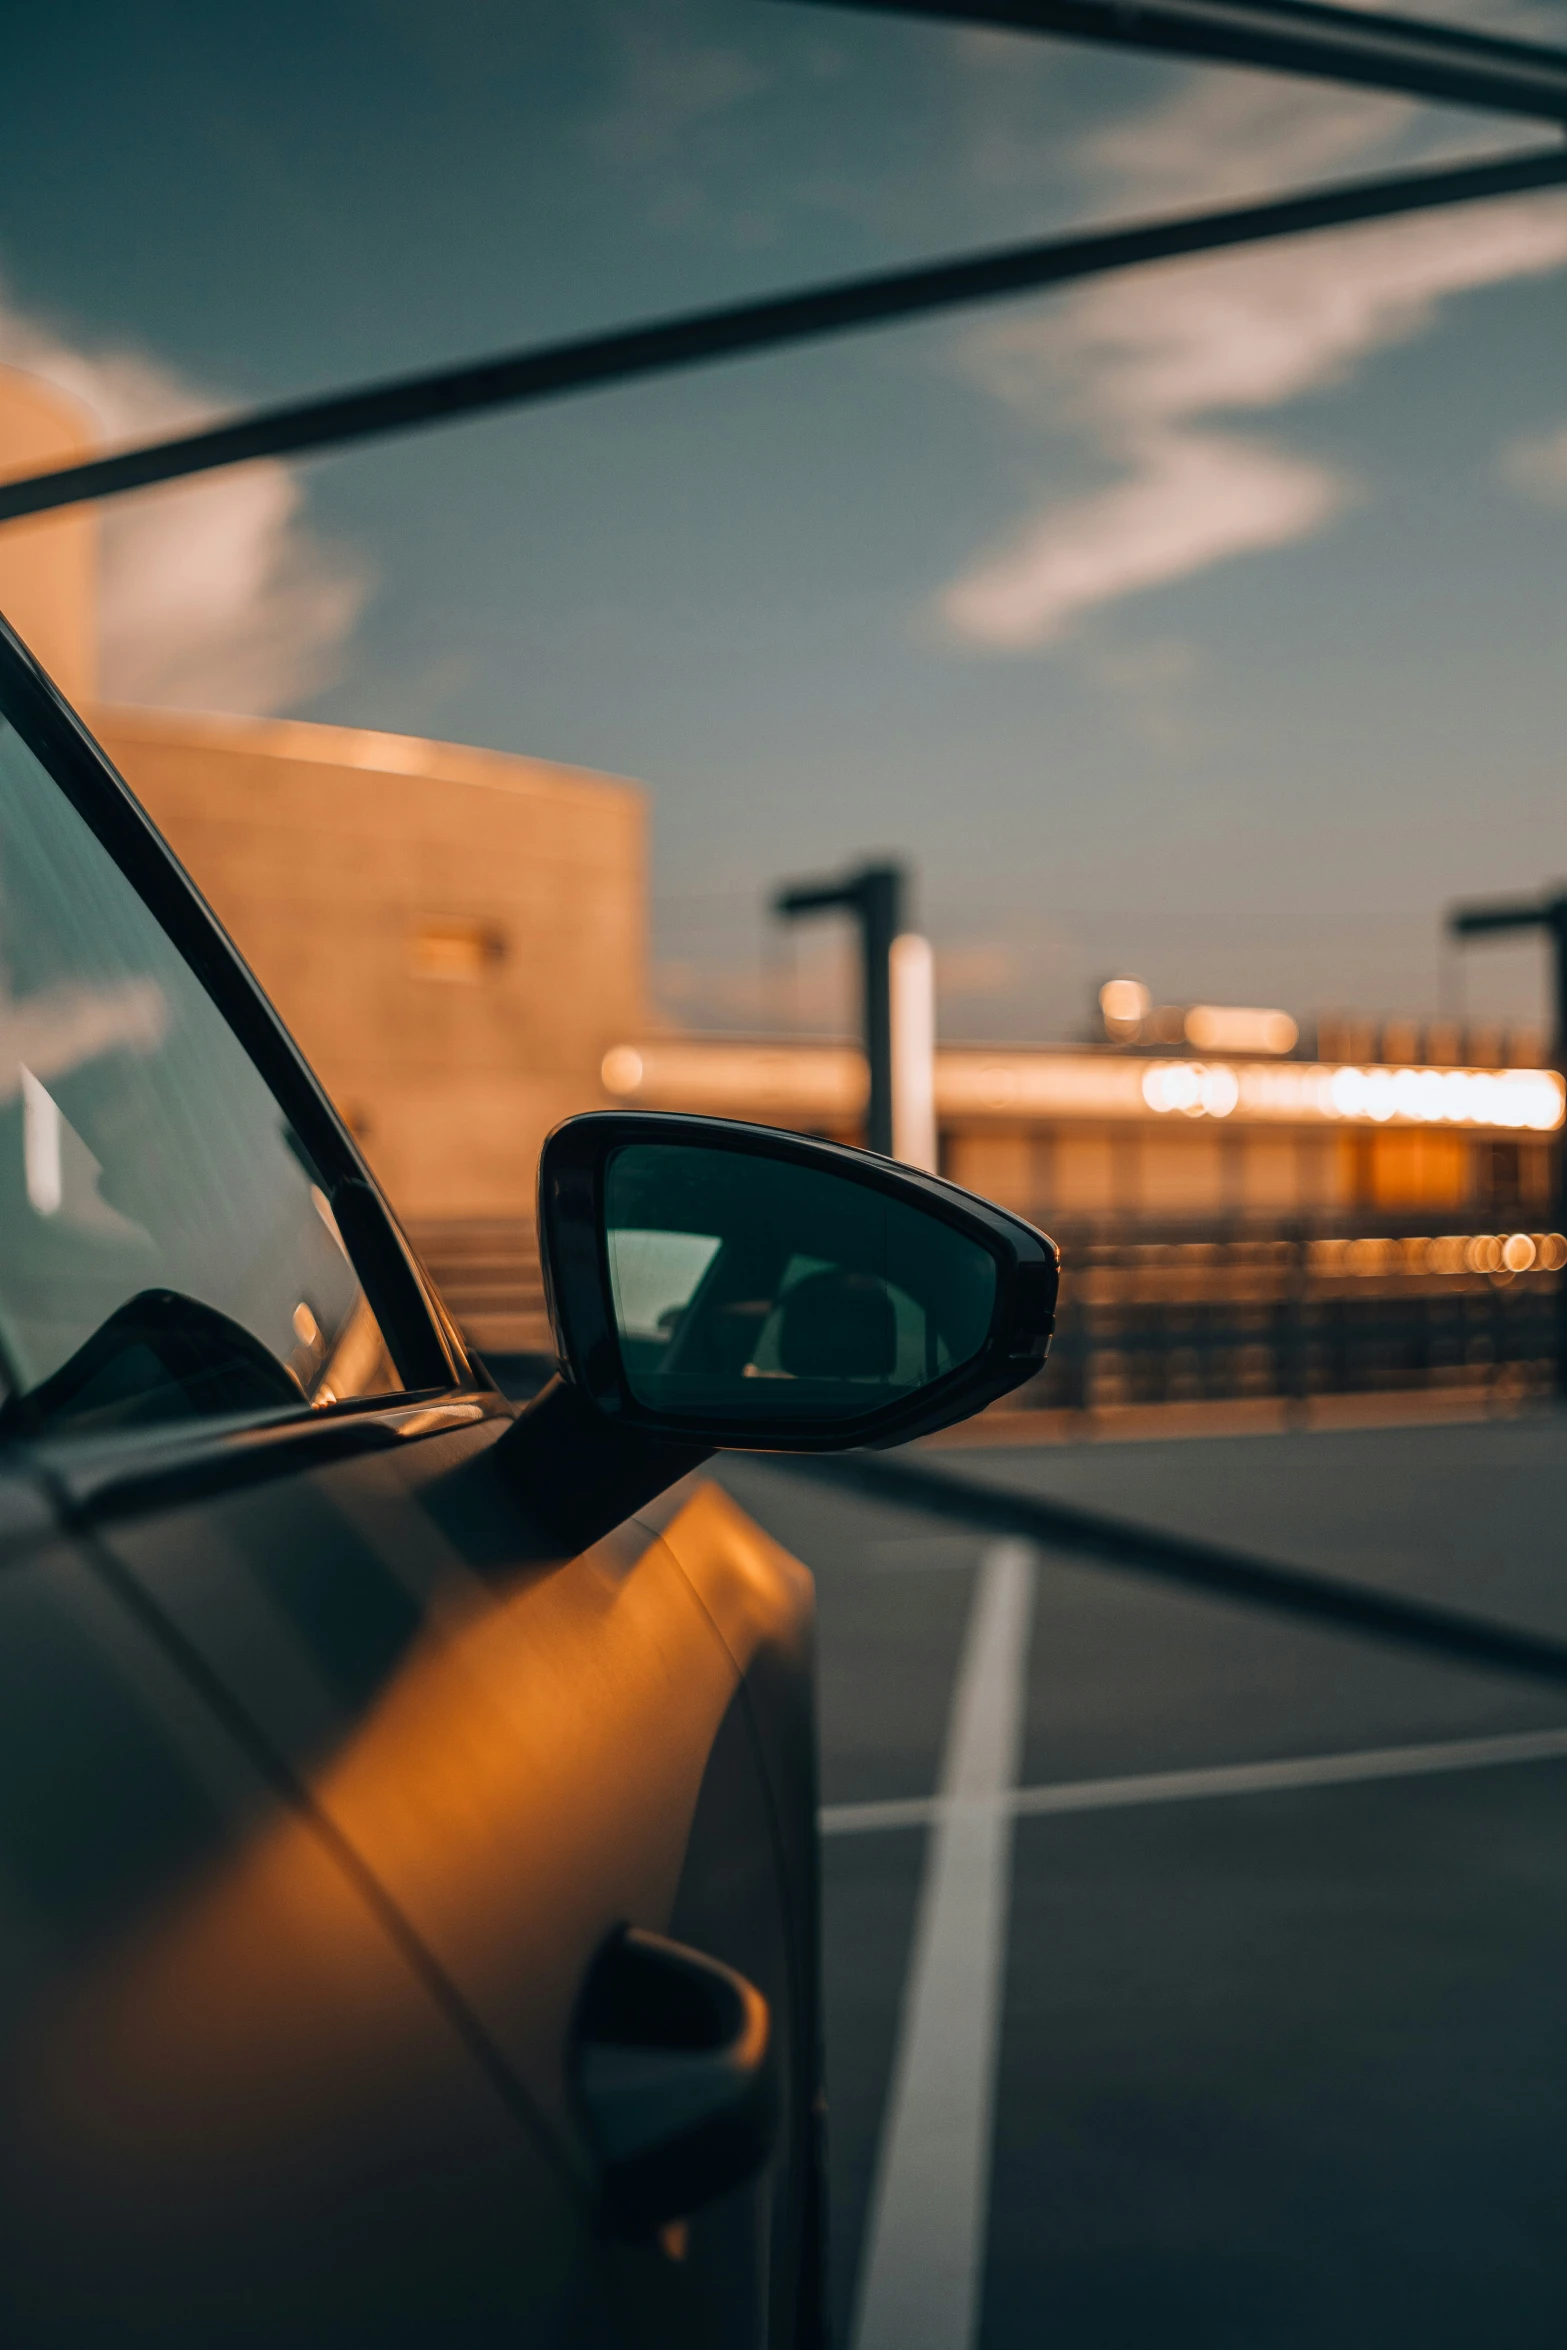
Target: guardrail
1292 1310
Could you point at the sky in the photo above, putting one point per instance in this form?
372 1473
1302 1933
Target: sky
1204 622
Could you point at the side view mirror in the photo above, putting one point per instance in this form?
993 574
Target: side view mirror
722 1285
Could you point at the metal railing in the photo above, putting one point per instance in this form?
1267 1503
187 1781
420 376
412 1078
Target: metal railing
1294 1310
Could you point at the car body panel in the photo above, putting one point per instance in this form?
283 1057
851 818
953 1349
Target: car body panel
763 1603
232 2108
522 1751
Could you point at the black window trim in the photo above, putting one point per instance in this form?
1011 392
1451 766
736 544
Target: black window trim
96 1480
425 1346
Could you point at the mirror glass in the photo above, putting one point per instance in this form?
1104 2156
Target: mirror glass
753 1287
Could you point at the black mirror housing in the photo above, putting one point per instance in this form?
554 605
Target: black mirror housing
730 1286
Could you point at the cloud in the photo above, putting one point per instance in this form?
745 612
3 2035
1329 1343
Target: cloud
1146 365
1537 466
1191 501
215 594
1224 136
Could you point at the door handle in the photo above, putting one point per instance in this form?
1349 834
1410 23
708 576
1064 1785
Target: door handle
674 2076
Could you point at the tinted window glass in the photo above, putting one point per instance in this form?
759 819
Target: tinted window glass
729 1270
164 1248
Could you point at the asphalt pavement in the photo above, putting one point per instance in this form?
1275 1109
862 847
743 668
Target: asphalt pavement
1194 1974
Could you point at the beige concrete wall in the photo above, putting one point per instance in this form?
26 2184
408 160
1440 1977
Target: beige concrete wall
454 936
49 568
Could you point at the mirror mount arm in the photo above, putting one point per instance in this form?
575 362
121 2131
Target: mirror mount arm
580 1472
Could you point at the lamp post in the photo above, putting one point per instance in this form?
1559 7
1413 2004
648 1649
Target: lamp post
897 1011
1547 914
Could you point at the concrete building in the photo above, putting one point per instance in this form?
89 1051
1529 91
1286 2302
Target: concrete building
455 936
1064 1135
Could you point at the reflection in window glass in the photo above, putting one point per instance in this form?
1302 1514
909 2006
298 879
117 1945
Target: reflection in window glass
164 1248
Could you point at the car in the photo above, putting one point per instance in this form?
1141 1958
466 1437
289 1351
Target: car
408 1916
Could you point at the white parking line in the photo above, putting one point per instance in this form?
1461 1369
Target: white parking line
1256 1778
926 2235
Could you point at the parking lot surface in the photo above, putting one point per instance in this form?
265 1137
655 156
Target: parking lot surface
1194 1974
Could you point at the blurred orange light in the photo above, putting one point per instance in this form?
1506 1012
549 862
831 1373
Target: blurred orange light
1239 1028
1124 1004
1188 1086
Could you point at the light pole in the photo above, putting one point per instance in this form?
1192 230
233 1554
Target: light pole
898 1014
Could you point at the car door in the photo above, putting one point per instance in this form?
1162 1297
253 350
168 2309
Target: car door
462 1750
521 1750
230 2109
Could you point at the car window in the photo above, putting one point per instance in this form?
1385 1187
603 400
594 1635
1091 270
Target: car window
166 1251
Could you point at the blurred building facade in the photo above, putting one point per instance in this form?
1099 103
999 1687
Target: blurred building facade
1269 1231
454 936
1090 1134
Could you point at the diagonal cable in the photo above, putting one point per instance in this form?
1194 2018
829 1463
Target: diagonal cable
699 337
1365 48
1298 1592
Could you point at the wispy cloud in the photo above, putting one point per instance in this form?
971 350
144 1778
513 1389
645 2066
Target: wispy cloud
1150 366
1189 501
215 595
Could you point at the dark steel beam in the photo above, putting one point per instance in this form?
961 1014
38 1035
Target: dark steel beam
1395 53
300 427
1548 915
1506 914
